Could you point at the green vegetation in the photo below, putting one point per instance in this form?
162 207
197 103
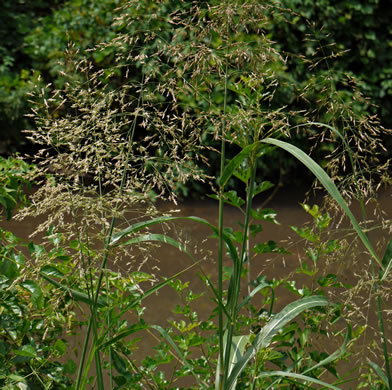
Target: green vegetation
151 106
338 50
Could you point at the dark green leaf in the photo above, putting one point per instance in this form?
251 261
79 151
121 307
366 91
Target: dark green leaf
60 346
70 367
235 162
263 186
26 351
264 215
119 363
37 297
233 199
8 268
269 247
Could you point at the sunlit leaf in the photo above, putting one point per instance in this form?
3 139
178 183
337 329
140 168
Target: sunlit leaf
293 375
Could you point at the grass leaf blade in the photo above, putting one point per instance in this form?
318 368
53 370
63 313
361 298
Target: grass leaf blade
336 355
328 184
379 372
297 376
264 337
77 295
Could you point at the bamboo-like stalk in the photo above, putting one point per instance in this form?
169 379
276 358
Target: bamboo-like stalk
239 267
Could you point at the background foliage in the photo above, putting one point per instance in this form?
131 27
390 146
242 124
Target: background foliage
345 43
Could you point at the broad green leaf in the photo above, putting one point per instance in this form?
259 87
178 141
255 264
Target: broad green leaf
37 297
119 363
243 173
300 377
19 259
9 268
60 346
328 184
264 337
235 162
233 199
70 367
36 250
26 351
8 202
74 244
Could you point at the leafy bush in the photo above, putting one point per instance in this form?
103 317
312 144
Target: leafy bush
31 323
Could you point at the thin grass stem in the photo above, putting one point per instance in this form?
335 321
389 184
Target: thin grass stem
130 136
221 373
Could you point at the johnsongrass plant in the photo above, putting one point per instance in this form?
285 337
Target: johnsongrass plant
190 75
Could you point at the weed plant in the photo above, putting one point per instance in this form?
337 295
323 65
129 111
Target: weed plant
192 73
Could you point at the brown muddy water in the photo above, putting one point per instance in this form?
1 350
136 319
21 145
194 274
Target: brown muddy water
168 261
